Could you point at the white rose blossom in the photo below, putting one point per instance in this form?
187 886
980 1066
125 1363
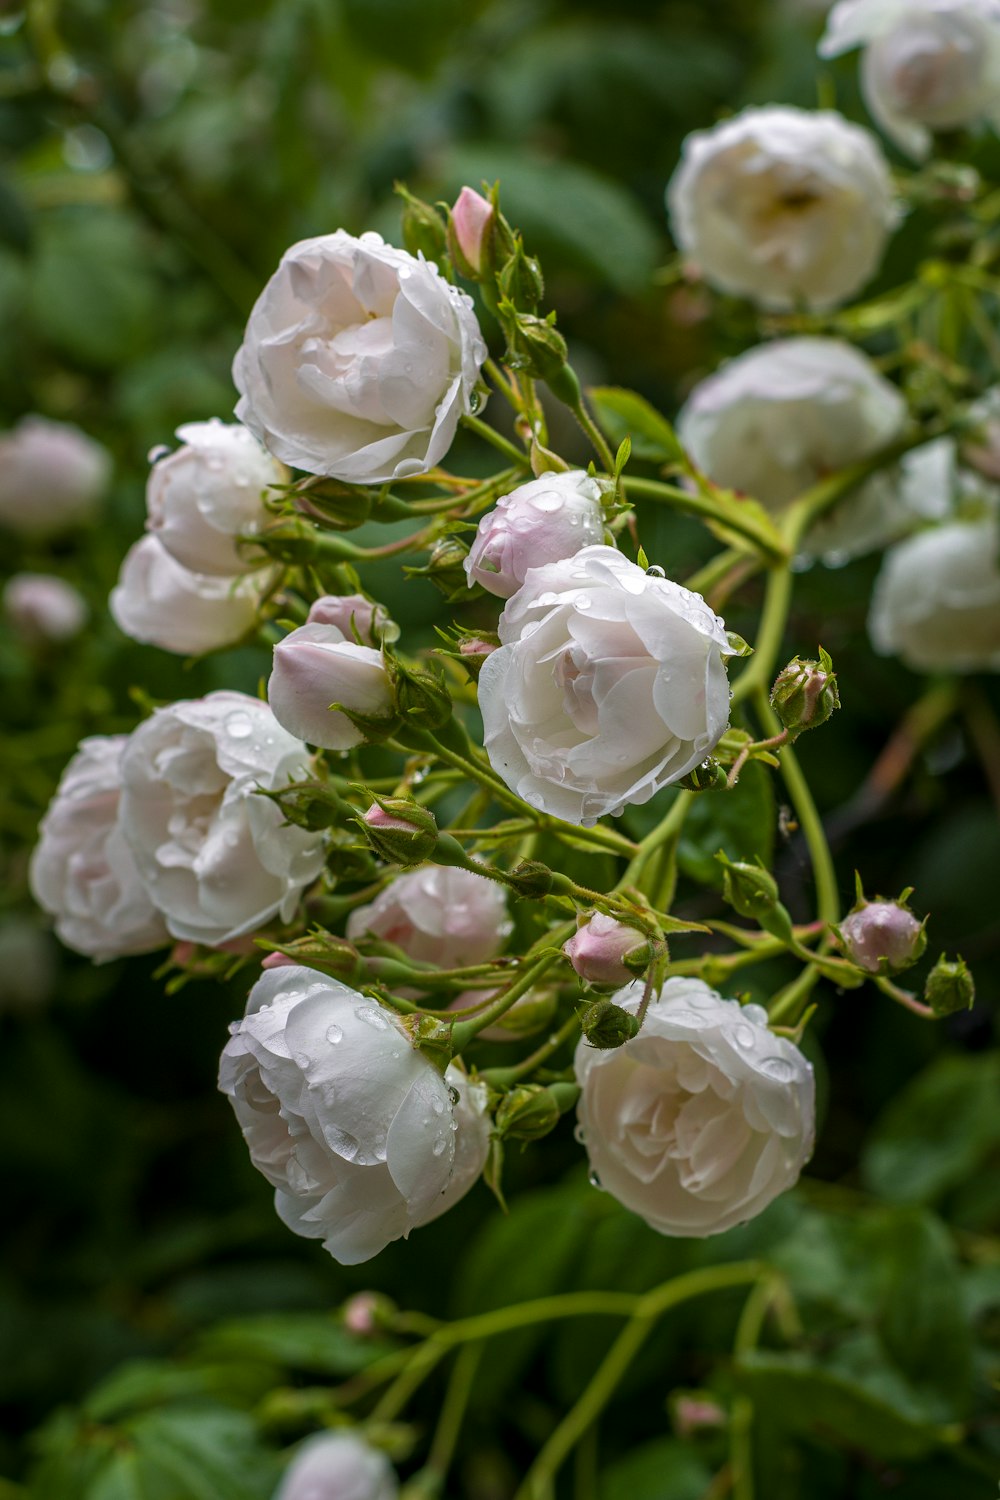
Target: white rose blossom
207 493
936 602
928 65
356 1130
449 918
216 858
159 602
540 522
784 206
358 361
610 683
52 476
338 1466
44 608
316 666
82 871
776 420
703 1119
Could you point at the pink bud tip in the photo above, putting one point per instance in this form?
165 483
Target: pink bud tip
278 961
377 817
476 648
359 1314
471 219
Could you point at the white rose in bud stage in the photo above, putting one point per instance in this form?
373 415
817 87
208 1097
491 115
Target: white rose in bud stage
206 494
158 602
316 666
358 361
356 617
775 421
610 683
936 603
338 1466
43 608
82 870
928 65
356 1130
784 206
217 859
450 918
703 1119
540 522
52 476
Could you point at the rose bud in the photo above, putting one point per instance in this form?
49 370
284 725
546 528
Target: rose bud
694 1412
278 961
357 618
315 667
400 831
42 608
950 987
606 1025
365 1312
527 1113
604 951
805 694
338 1464
477 649
470 226
52 476
540 522
882 937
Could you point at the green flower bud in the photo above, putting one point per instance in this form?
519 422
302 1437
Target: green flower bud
527 1113
432 1038
425 231
950 987
607 1025
342 506
534 344
310 804
805 694
420 696
531 880
521 282
445 569
400 831
753 892
708 777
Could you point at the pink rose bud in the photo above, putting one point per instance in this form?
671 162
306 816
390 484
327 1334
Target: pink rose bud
315 667
543 521
471 225
693 1414
401 831
42 608
882 935
360 1313
356 617
477 648
599 949
278 961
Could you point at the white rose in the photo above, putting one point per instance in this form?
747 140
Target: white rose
783 416
314 667
700 1121
539 522
937 599
356 617
449 918
159 602
610 683
82 871
338 1466
784 206
217 859
43 608
358 360
928 65
209 492
354 1128
52 476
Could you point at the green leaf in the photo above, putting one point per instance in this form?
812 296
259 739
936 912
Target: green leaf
622 413
145 1383
740 822
655 1471
207 1454
312 1342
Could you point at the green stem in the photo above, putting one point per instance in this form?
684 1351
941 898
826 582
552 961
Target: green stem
748 1332
502 445
693 504
503 1078
466 1031
770 634
595 435
456 1399
664 833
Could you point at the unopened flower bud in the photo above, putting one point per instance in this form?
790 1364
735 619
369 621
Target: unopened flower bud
950 987
805 694
272 961
521 280
882 937
694 1412
342 506
535 345
527 1113
445 569
470 233
420 695
365 1312
607 952
400 831
424 229
315 669
708 777
753 892
476 648
356 617
42 608
606 1025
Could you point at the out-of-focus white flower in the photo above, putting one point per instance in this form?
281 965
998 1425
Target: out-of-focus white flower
776 420
338 1466
209 492
937 599
43 608
540 522
159 602
703 1119
355 1129
217 859
449 918
358 360
52 476
82 870
314 667
784 206
609 684
356 617
928 65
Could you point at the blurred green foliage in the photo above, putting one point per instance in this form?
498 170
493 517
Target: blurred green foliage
155 161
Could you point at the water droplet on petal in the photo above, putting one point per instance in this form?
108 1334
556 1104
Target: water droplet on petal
372 1016
579 1135
334 1034
778 1068
745 1036
595 1182
656 572
439 1147
454 1095
239 726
